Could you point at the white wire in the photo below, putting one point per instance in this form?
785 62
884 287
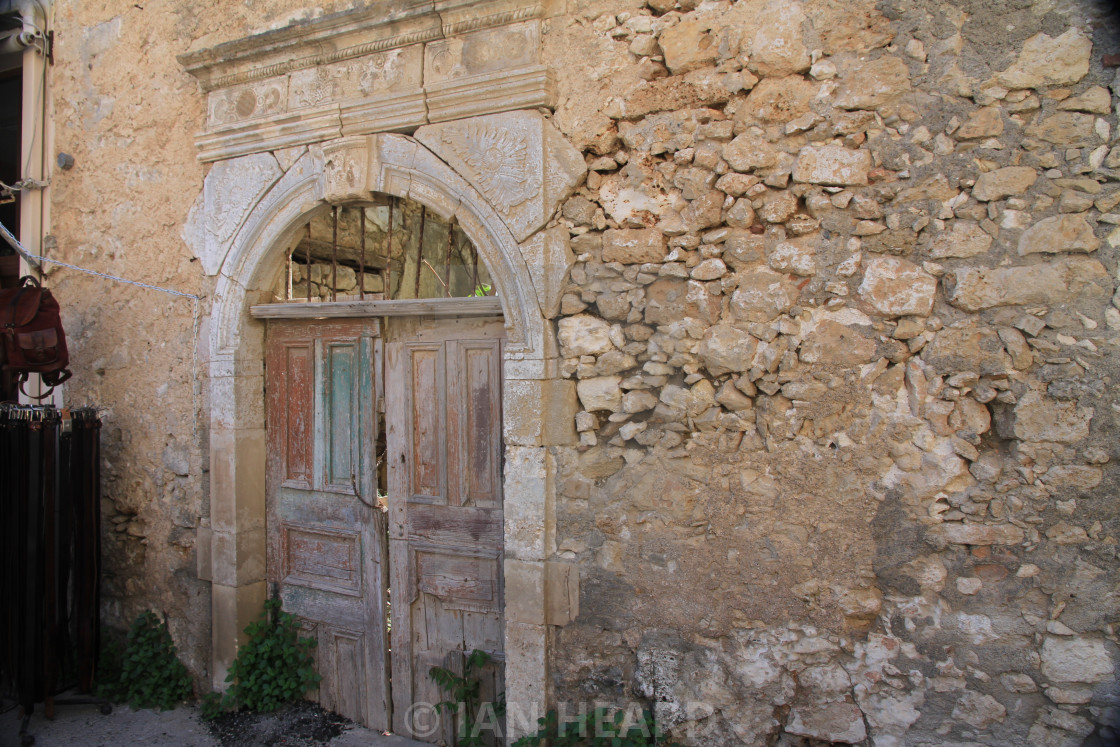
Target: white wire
115 277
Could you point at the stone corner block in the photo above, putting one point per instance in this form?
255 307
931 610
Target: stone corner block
540 412
549 258
520 163
525 591
561 592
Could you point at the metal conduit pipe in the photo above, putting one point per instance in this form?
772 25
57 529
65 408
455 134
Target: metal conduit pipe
32 20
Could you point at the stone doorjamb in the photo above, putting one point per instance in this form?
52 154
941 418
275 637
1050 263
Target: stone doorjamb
538 406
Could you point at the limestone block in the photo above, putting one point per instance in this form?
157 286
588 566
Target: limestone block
393 70
539 412
1073 477
778 100
774 44
976 349
979 710
1049 61
1040 418
517 160
832 165
348 168
689 45
600 393
1064 281
724 349
895 287
762 295
751 151
1060 233
1065 128
237 558
231 190
832 343
549 255
830 722
797 256
482 52
869 84
627 200
1075 659
584 334
978 534
985 122
964 239
528 476
561 592
1000 183
237 479
778 206
249 101
233 609
526 677
525 591
1096 100
633 245
669 300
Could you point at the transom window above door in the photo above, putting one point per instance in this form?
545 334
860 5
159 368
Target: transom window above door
389 249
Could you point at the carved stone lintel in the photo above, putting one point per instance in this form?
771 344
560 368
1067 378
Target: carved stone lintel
519 162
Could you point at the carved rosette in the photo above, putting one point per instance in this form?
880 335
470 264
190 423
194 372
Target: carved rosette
347 169
517 160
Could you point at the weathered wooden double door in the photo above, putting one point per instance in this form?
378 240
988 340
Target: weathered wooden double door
337 557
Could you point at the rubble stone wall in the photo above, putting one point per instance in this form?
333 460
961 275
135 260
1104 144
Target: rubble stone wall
845 341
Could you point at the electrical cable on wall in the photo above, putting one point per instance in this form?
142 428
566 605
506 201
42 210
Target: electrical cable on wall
36 261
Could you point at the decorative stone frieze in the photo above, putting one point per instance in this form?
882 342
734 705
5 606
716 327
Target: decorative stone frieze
370 71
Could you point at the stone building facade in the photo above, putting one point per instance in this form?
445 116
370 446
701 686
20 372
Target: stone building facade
810 409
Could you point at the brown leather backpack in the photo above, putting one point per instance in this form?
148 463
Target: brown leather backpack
31 336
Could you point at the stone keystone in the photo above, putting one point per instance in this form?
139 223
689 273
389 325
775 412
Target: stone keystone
347 169
520 163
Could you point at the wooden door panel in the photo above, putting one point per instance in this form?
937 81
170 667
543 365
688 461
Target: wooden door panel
326 538
476 430
296 412
443 415
461 526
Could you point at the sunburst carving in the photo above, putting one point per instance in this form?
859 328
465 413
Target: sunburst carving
498 162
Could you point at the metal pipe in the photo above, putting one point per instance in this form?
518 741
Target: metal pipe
334 256
307 260
362 254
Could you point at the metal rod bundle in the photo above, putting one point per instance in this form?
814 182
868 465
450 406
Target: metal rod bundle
50 521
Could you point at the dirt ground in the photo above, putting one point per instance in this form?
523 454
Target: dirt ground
300 725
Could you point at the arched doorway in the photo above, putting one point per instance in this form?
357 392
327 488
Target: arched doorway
538 406
384 458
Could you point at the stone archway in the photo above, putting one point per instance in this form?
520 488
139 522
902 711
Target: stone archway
528 262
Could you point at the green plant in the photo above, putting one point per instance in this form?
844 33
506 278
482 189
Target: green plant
212 705
595 729
274 666
110 662
482 289
151 675
463 697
